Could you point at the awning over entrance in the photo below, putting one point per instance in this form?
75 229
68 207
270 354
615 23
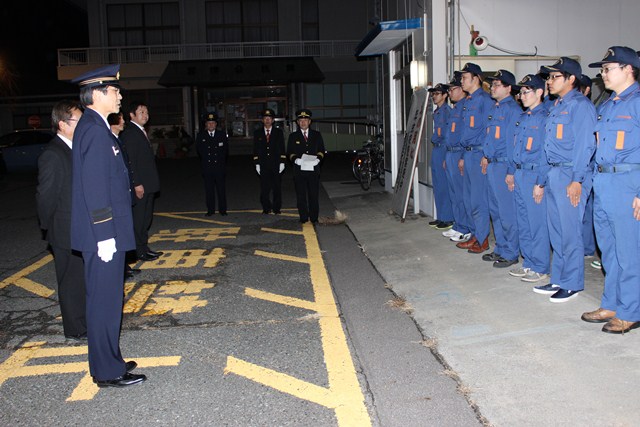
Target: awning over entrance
387 35
241 72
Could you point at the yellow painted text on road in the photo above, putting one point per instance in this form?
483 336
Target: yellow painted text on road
195 234
186 259
19 279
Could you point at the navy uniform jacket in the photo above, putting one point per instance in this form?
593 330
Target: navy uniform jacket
101 199
440 119
268 156
142 161
53 194
213 151
297 146
475 114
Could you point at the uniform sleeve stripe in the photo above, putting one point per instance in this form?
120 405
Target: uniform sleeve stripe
101 215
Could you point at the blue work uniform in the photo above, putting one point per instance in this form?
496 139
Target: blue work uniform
454 179
502 207
530 168
569 145
616 186
474 125
438 173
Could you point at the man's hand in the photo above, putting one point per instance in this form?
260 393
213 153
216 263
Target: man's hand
139 189
281 167
574 190
258 169
538 192
510 181
106 249
636 208
483 164
461 166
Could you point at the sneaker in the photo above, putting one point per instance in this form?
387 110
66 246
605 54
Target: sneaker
519 272
596 264
461 238
563 295
434 223
549 289
444 225
490 257
451 233
504 263
532 277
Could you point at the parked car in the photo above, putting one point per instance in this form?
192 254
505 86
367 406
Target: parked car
19 150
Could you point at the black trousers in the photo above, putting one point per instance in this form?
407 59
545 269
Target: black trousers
307 184
142 217
215 184
71 290
105 294
270 182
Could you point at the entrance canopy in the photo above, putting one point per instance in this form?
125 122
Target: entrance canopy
387 35
241 72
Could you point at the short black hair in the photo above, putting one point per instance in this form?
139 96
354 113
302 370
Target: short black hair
62 111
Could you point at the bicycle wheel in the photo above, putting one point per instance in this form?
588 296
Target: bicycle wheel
365 176
355 168
381 173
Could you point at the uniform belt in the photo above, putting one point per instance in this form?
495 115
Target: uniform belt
562 164
526 166
620 167
454 149
497 159
472 148
437 144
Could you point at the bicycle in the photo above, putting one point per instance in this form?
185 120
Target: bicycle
369 163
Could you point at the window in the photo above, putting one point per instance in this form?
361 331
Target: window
235 21
309 20
339 100
138 24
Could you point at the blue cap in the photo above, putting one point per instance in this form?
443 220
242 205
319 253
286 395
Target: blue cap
533 81
564 65
456 80
103 76
440 87
305 113
585 81
211 117
619 54
504 76
472 68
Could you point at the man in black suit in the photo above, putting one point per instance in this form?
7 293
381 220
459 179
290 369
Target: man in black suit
305 150
102 224
269 157
212 145
146 182
53 197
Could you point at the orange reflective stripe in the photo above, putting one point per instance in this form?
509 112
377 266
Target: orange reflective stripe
620 140
453 127
529 143
497 136
439 133
598 139
559 129
472 121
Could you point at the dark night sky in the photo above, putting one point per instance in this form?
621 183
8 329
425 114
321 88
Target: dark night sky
30 34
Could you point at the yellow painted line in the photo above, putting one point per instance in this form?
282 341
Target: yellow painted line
139 298
20 280
281 231
280 299
210 221
281 257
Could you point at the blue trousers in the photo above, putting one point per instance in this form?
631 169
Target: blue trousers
588 232
565 229
455 181
502 208
444 211
105 293
533 232
475 195
618 234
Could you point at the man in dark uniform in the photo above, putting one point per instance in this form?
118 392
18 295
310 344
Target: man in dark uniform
305 149
144 173
269 157
53 198
212 145
102 224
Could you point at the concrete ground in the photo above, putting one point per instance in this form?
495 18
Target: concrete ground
521 359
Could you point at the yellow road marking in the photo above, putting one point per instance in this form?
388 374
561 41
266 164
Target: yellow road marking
177 216
277 230
21 281
344 394
139 298
281 256
185 258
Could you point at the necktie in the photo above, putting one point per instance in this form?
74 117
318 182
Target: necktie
306 138
211 134
268 134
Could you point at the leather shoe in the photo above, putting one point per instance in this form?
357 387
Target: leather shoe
76 338
130 365
619 326
154 253
223 213
491 257
147 257
266 211
477 248
467 244
276 212
504 263
122 381
209 213
598 316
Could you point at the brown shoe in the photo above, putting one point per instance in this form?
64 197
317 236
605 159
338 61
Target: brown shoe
619 326
598 316
477 248
468 244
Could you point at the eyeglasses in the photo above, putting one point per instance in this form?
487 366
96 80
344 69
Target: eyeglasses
452 88
605 70
496 83
71 120
526 92
554 76
115 89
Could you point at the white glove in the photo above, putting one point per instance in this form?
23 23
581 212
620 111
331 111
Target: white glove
106 249
258 169
316 162
281 167
298 162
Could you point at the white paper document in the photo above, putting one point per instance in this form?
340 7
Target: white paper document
308 162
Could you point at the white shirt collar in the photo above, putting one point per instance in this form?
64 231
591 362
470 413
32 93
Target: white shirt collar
66 140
